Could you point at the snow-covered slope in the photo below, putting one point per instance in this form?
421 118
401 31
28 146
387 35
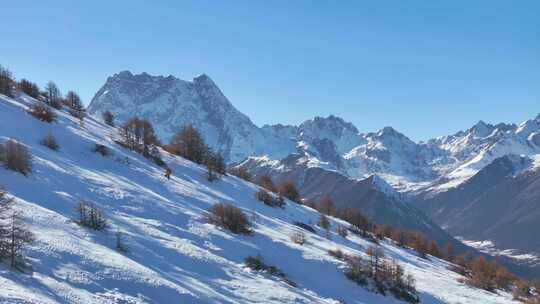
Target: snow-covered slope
175 256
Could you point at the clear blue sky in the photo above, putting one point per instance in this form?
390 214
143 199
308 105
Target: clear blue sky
427 68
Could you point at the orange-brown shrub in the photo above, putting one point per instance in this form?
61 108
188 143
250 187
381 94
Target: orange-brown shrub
229 217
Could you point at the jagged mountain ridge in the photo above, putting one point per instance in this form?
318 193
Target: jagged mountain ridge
435 165
329 143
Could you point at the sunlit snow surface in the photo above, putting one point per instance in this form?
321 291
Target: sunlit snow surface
489 247
174 257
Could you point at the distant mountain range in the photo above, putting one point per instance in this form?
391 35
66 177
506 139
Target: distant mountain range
329 143
478 184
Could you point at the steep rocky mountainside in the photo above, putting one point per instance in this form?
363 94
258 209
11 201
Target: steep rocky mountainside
170 103
501 203
372 195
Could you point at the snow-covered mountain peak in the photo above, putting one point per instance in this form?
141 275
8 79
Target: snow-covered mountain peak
205 81
142 77
203 77
393 143
123 74
529 128
389 134
482 129
170 103
342 134
330 125
389 131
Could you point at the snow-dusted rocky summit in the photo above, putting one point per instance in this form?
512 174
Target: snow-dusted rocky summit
332 143
170 103
435 165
